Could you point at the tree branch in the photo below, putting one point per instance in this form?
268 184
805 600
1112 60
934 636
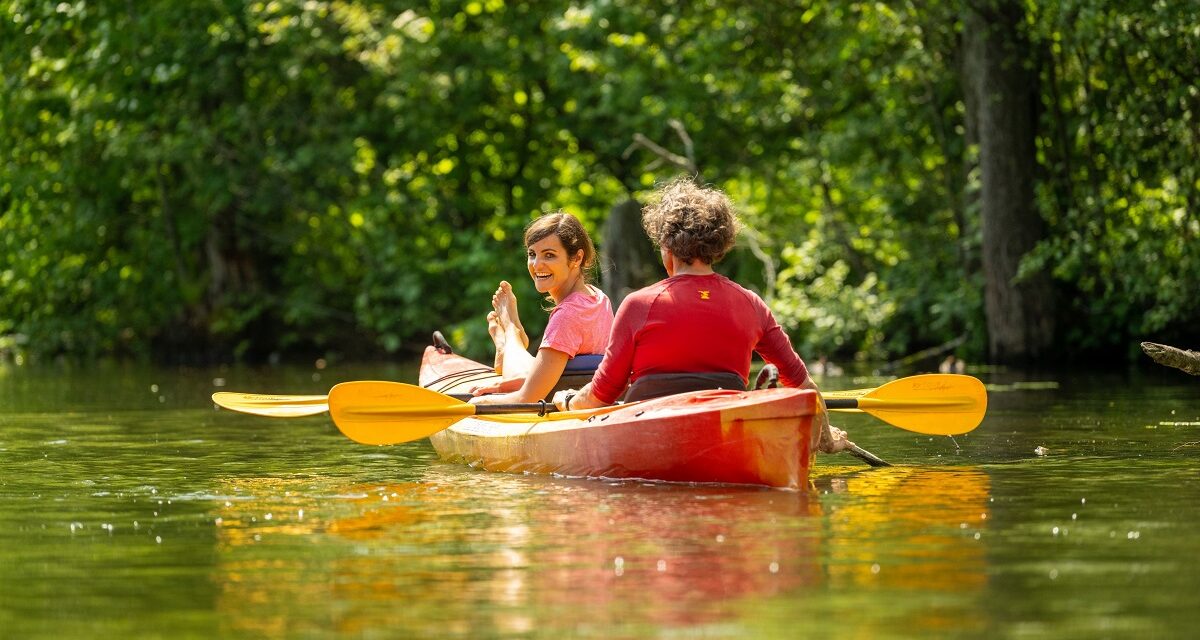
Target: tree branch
1186 361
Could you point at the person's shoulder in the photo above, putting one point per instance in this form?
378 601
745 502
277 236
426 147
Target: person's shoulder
650 292
645 297
594 296
750 296
597 294
725 281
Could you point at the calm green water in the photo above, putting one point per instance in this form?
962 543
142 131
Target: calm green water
129 507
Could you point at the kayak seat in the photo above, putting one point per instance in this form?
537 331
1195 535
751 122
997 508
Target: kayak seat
584 363
579 371
668 384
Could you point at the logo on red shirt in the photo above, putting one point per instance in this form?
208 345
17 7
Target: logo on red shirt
704 295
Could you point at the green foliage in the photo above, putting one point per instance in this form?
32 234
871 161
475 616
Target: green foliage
1119 146
255 177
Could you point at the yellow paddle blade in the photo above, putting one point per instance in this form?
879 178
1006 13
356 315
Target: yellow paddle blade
272 406
392 412
935 404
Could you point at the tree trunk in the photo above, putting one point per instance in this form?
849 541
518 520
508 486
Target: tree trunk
628 258
1182 359
1020 315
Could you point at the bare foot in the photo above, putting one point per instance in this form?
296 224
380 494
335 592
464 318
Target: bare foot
505 304
496 330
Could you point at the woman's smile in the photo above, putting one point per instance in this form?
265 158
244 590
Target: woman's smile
549 267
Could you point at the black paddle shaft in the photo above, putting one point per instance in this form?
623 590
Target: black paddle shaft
541 407
841 403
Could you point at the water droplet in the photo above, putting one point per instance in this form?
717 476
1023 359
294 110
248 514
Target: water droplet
1054 574
1074 515
1054 531
720 537
875 568
269 516
773 567
662 566
300 513
158 539
153 388
219 521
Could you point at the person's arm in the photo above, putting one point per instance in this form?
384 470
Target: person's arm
776 348
548 367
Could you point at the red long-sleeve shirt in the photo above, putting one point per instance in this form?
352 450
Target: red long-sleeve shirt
693 324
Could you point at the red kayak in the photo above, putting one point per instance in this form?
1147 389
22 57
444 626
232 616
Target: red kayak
738 437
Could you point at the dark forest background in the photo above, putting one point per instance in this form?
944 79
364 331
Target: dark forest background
1016 181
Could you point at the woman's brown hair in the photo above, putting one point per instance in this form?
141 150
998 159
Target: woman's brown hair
693 222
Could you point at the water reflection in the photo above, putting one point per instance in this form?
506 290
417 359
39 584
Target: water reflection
913 531
513 554
915 523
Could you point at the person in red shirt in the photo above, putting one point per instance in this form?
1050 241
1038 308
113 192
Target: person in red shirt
696 321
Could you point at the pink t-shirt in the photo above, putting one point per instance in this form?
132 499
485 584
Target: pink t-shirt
579 324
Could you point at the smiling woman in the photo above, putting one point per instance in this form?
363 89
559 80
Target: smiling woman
560 254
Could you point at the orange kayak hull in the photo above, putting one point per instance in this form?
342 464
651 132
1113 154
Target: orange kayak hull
730 437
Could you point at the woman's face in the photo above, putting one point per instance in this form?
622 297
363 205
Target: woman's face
552 271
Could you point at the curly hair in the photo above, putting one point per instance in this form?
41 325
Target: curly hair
693 222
